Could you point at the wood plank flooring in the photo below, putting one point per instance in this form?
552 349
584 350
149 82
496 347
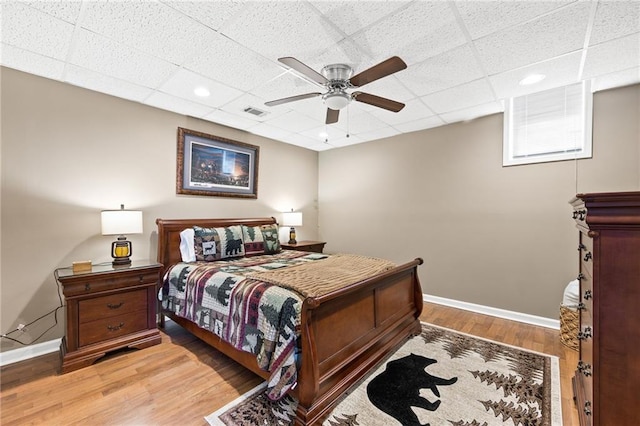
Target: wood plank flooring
182 380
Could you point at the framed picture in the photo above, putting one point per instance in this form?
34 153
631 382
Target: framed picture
215 166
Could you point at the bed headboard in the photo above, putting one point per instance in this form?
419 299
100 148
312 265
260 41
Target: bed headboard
169 234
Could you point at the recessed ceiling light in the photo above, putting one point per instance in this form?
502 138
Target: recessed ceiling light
201 91
532 79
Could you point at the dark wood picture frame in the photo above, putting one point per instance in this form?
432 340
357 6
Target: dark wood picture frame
215 166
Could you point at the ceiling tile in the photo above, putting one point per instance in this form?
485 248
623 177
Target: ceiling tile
417 32
560 71
213 14
352 16
88 79
460 97
30 62
269 131
108 57
229 119
159 30
52 38
381 133
303 141
66 10
485 17
617 79
293 121
615 19
552 35
262 26
345 140
612 56
473 112
421 124
181 106
232 63
443 71
183 83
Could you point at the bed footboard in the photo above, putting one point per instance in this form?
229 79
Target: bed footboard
346 333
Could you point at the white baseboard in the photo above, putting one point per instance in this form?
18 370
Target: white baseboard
21 354
495 312
28 352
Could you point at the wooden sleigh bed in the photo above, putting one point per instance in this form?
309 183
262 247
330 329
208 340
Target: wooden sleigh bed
343 334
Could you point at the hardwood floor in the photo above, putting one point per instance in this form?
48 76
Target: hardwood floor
182 380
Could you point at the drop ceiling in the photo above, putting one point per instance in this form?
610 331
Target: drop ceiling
464 57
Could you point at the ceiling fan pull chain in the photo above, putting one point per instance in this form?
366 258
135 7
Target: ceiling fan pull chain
348 116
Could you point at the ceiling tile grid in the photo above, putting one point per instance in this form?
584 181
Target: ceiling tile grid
464 57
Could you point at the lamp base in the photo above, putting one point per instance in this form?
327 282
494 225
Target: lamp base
121 261
292 236
120 251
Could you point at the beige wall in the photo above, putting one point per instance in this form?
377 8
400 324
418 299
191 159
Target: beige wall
68 153
490 235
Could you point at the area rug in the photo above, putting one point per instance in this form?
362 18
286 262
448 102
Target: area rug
440 377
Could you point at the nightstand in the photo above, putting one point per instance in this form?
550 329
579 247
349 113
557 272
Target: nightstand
314 246
108 308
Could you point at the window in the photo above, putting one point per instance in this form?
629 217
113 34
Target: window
552 125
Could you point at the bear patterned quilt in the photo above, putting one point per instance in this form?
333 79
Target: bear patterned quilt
252 315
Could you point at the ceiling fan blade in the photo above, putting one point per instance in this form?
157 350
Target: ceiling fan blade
292 98
332 115
303 69
377 101
383 69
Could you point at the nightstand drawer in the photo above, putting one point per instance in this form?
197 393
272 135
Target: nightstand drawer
110 282
108 328
111 305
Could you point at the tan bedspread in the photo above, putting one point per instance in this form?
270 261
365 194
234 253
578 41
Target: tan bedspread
324 276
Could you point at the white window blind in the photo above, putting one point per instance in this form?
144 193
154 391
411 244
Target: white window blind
548 126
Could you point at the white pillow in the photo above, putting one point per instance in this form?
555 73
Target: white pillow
187 248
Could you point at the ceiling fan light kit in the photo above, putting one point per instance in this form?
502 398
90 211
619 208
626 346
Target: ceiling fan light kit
336 100
337 78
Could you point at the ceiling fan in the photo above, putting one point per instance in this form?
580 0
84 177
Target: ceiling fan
337 78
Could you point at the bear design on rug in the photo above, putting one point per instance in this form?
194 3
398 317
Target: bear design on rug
397 389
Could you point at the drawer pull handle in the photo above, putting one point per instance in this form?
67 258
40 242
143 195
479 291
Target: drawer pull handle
114 306
587 256
87 287
581 247
583 335
141 278
587 295
581 306
587 408
580 276
115 327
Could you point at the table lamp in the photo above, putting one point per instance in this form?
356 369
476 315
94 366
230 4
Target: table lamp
292 219
120 222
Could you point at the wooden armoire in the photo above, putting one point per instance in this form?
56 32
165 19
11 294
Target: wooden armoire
607 378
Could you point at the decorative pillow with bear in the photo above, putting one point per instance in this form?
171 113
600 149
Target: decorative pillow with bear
218 243
261 239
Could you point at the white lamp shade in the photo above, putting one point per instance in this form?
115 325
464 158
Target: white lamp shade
336 101
121 222
292 218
